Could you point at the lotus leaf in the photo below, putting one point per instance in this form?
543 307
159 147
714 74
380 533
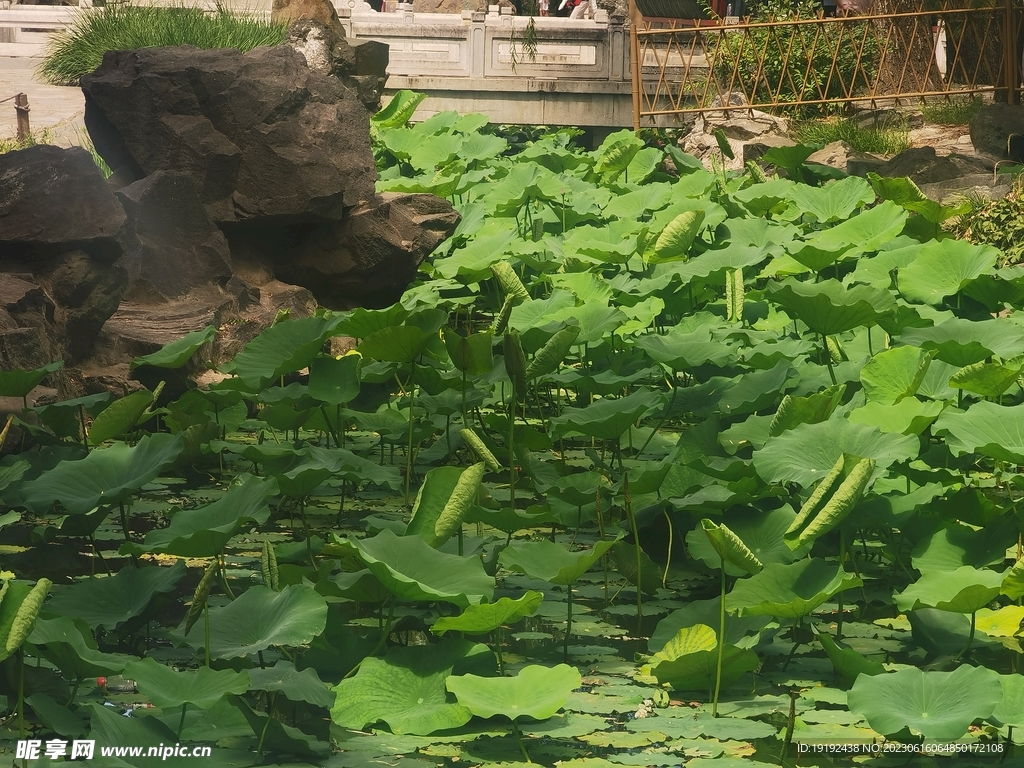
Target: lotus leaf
260 618
179 352
202 687
938 705
110 602
412 570
550 561
964 590
486 617
789 591
537 692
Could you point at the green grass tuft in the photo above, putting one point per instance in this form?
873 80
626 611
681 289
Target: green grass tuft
952 112
120 26
889 140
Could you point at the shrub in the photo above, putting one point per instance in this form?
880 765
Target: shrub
80 49
883 140
788 64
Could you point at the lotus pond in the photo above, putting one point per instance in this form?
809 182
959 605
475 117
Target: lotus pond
653 466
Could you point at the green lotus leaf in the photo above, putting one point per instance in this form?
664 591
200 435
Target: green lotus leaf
987 379
119 417
743 631
204 532
1010 710
960 342
63 643
964 590
944 268
20 383
260 618
938 705
868 230
202 687
282 348
179 352
334 381
689 661
986 428
107 476
606 419
828 307
805 454
894 374
537 692
1013 581
789 591
552 562
833 202
110 602
406 690
412 570
294 685
847 662
486 617
909 416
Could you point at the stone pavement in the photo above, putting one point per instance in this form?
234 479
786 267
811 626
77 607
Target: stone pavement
59 108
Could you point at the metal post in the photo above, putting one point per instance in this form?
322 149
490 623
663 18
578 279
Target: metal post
21 108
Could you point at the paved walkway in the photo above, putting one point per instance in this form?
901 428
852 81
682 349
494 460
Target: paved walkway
61 109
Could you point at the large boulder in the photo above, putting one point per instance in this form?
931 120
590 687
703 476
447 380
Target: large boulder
992 127
260 134
54 200
61 230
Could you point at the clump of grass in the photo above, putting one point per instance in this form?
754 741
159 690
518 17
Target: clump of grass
121 26
951 112
882 140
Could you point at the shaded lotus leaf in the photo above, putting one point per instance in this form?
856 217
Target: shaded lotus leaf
938 705
63 643
537 692
828 307
986 428
405 689
179 352
961 342
894 374
283 348
110 602
20 383
789 591
987 379
294 684
909 416
334 381
486 617
688 662
202 687
550 561
108 476
413 570
260 618
204 532
606 419
847 662
806 453
943 268
964 590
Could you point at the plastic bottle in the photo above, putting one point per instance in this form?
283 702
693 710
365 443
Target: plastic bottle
117 684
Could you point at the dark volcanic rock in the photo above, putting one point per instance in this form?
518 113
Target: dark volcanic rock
992 127
173 247
54 200
260 134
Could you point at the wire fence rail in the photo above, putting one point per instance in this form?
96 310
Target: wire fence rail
810 62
